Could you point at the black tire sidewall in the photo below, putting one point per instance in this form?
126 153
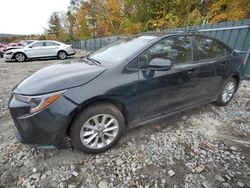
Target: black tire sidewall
101 108
219 100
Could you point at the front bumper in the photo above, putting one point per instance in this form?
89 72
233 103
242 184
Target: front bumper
7 57
44 128
72 54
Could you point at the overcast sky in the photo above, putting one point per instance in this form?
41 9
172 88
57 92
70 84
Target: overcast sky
28 16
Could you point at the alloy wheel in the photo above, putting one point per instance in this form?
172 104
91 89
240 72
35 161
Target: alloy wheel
99 131
20 57
62 55
228 91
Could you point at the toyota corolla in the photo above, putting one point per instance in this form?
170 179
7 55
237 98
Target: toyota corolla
92 102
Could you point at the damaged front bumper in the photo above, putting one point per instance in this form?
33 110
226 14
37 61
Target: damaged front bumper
46 128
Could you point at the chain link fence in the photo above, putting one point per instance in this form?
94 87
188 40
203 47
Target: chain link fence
95 44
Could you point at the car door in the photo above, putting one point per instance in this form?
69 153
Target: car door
51 48
214 60
35 50
167 91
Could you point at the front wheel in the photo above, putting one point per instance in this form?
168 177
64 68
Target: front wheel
97 128
227 92
20 57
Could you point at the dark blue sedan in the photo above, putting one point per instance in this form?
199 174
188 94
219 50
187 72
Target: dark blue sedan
131 82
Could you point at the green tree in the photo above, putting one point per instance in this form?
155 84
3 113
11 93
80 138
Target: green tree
55 27
71 25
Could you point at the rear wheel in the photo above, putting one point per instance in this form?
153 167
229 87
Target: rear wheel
227 92
97 128
62 55
20 57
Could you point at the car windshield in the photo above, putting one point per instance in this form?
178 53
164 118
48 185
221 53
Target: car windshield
31 44
25 42
120 50
29 41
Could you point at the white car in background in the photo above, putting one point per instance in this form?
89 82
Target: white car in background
40 49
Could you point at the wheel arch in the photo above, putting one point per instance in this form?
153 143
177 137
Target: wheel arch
116 102
62 50
237 78
19 52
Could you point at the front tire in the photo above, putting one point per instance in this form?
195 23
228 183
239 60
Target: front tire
97 128
62 55
20 57
227 92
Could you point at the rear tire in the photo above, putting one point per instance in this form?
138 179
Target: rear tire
97 128
62 55
20 57
227 92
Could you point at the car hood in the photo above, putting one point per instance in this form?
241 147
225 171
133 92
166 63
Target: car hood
14 47
58 77
11 50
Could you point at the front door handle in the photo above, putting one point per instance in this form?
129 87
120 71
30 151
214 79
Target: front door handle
192 72
223 63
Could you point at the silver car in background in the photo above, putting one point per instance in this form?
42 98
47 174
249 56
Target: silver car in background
40 49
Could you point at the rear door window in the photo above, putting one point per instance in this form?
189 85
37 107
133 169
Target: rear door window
51 44
209 48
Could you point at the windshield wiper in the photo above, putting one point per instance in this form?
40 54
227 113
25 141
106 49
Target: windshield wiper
94 61
90 61
87 61
85 56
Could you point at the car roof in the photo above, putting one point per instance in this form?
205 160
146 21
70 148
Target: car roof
160 35
46 41
165 34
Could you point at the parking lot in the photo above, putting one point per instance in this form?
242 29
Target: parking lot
205 147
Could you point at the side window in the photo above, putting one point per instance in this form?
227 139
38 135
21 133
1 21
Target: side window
133 65
177 49
208 48
38 44
220 49
51 44
143 60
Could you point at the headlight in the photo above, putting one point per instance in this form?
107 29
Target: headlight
40 102
8 53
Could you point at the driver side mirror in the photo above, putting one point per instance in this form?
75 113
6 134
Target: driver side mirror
30 46
159 64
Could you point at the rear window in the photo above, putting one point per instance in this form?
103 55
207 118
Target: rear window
209 48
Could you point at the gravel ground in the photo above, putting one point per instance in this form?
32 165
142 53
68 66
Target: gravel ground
205 147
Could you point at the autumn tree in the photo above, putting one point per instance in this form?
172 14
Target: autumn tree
224 10
82 28
97 18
